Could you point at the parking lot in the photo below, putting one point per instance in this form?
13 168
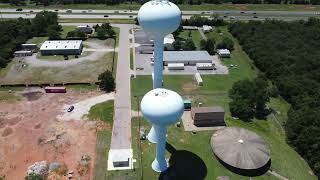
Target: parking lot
144 66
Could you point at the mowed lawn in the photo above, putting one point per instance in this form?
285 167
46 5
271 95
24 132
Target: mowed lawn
102 112
196 154
195 36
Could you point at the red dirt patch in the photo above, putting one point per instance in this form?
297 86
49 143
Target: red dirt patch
37 135
37 126
7 131
9 121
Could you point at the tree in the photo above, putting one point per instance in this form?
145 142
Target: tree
111 32
189 45
249 98
208 45
101 33
33 176
177 45
53 32
107 82
242 109
226 43
262 96
76 34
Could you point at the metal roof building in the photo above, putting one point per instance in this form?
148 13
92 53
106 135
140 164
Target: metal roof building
240 149
224 52
186 57
63 47
208 116
85 28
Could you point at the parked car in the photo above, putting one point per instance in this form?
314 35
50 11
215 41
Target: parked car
71 108
19 9
255 16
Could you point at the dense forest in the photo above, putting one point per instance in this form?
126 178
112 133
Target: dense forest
288 53
191 2
15 32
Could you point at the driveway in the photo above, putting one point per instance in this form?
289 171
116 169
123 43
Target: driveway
83 107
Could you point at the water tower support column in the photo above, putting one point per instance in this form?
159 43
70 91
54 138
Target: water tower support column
158 76
160 164
158 62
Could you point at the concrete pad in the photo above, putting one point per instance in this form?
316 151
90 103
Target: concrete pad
83 107
120 155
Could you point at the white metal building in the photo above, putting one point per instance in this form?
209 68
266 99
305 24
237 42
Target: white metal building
175 66
186 57
206 28
64 47
198 79
29 47
204 66
22 53
225 53
168 42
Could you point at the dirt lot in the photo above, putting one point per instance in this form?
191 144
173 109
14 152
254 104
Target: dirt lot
30 132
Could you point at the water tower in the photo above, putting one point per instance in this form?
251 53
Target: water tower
161 107
158 18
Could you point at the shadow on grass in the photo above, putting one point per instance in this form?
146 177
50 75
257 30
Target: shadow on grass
247 172
184 165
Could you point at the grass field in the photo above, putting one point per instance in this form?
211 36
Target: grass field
102 111
8 96
131 58
82 72
40 40
65 30
195 151
195 35
185 7
37 40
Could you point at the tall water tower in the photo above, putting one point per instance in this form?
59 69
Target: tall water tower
158 18
161 107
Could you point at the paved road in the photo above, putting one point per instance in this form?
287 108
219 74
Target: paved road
125 14
225 17
121 131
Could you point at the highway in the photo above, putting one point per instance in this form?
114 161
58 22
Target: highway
126 14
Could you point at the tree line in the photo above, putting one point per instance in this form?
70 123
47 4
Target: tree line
15 32
288 54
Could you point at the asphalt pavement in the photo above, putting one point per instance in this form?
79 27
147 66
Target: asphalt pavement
121 131
126 14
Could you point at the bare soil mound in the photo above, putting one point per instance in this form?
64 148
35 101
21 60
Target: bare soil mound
32 96
189 87
7 131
